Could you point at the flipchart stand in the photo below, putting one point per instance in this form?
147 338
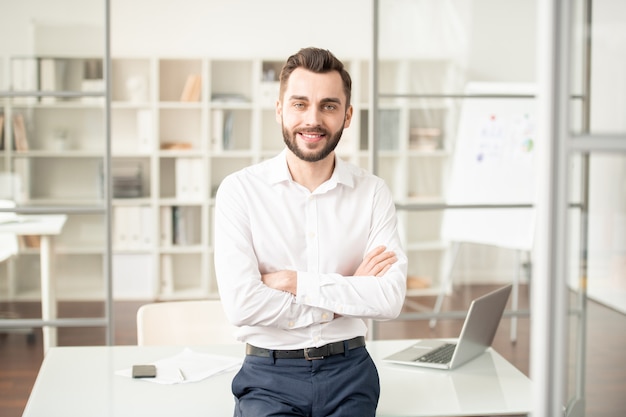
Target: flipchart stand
492 182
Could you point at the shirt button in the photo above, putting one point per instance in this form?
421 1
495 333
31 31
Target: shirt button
291 324
324 316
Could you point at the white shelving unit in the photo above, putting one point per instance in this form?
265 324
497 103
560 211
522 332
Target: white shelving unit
169 155
54 149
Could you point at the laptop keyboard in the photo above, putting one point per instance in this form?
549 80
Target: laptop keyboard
443 354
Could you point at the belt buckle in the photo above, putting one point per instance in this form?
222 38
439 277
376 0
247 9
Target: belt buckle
311 358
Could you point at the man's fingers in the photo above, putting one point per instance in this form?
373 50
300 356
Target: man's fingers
376 262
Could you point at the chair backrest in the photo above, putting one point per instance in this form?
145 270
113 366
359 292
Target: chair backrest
184 323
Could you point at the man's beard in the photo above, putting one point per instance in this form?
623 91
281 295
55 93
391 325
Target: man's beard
331 144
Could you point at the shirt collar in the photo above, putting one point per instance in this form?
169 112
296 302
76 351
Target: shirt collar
279 172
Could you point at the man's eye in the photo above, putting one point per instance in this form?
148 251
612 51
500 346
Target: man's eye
298 105
330 107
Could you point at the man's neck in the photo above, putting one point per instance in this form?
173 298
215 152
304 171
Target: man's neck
310 174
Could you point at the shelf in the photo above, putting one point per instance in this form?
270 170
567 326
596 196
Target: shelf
180 125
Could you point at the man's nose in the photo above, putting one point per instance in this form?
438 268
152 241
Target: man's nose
312 116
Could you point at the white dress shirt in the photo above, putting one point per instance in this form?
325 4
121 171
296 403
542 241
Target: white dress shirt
266 222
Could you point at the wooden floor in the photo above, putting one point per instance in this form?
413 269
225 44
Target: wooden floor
605 371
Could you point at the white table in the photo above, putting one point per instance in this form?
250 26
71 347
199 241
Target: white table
46 226
81 381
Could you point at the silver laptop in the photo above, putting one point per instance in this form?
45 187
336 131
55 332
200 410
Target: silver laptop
476 336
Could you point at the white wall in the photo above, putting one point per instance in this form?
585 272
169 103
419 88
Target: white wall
239 28
18 18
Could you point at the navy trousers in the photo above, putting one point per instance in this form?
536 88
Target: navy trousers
343 385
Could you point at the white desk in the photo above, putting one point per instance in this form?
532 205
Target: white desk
81 381
46 226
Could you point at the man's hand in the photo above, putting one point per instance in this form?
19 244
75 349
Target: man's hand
285 280
376 263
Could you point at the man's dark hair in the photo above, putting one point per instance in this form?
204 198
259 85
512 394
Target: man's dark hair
319 61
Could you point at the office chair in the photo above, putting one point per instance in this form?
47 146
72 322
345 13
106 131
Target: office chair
180 323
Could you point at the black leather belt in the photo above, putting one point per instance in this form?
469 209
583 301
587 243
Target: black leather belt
307 353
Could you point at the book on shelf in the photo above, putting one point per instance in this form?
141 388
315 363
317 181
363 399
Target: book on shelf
228 98
19 133
191 91
30 241
1 132
176 146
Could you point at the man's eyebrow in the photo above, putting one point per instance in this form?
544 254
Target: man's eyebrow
332 100
300 98
325 100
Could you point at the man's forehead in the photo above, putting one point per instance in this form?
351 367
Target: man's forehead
304 83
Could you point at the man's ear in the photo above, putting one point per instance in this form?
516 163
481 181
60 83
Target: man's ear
348 117
279 112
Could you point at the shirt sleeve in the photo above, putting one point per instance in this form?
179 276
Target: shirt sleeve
246 300
372 297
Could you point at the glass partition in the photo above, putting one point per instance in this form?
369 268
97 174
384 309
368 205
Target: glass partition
54 167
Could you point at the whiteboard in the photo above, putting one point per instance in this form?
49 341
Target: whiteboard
494 163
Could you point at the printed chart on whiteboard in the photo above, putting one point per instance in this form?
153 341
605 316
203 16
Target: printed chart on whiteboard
493 163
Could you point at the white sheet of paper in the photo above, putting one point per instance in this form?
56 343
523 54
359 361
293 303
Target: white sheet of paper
188 366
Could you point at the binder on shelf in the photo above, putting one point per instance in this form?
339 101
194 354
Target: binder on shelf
93 79
48 78
191 91
166 225
189 179
147 231
128 227
217 130
51 76
19 133
222 130
167 274
178 226
1 132
228 130
145 132
185 225
22 173
197 179
24 78
121 238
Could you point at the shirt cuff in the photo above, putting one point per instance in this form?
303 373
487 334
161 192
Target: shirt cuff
308 289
